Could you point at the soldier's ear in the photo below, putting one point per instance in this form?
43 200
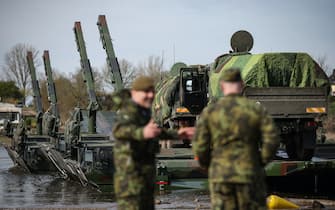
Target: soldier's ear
222 85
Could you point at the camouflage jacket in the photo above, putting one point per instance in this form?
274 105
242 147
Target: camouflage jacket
235 138
131 150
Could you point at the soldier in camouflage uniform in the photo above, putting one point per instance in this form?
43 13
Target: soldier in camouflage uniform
235 138
136 146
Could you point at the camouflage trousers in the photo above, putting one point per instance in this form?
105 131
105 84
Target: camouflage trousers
233 196
135 190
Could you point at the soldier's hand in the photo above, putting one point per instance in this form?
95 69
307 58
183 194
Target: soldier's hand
186 132
151 130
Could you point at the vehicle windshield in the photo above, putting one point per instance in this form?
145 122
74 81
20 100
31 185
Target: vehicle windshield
11 116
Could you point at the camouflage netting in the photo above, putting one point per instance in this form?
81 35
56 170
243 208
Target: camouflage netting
164 99
270 70
166 94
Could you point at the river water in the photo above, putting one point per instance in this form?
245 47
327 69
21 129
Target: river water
18 190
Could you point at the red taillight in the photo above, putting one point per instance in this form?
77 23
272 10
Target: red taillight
162 182
311 124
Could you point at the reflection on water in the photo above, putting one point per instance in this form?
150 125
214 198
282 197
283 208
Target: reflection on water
40 190
184 199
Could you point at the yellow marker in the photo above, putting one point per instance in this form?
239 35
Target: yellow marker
316 109
276 202
182 110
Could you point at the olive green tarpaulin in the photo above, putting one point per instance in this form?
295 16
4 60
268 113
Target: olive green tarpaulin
259 70
270 70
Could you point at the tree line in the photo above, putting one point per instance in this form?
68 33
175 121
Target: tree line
15 80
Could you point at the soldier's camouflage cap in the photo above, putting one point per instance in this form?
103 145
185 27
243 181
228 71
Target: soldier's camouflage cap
143 83
231 75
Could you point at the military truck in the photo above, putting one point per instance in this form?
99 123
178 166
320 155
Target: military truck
292 87
93 151
30 151
10 115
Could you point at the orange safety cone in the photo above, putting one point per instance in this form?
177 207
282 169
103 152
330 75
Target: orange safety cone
276 202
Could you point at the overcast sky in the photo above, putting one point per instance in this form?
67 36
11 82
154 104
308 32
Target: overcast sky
192 31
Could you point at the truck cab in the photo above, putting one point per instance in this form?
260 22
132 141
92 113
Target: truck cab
10 116
193 92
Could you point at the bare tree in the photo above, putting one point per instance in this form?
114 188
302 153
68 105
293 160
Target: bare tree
322 61
70 91
78 87
16 67
128 73
153 67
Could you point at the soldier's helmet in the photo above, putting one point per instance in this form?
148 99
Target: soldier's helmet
143 83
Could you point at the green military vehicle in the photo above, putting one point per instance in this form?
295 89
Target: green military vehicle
93 151
36 152
291 86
